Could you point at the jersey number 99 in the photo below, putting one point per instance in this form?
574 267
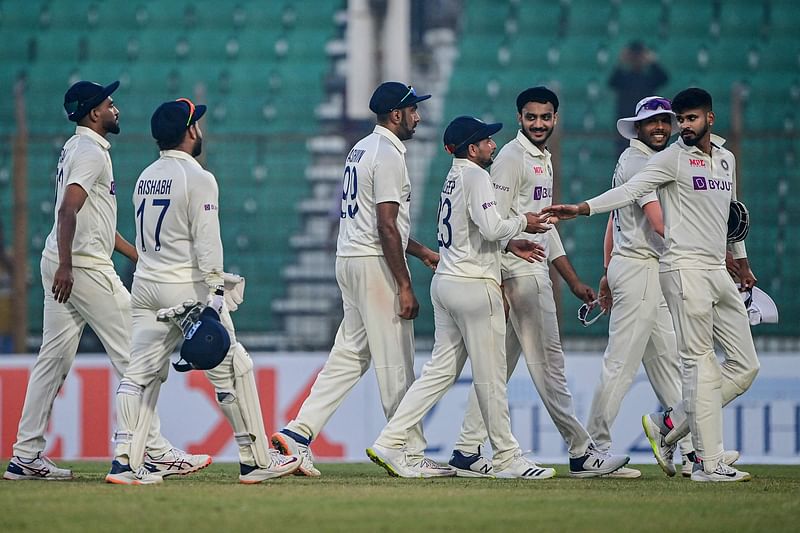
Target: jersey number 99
349 192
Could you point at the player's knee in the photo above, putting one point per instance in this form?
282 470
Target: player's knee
127 386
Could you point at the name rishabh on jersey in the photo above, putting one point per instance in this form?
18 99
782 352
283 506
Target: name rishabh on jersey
374 172
177 222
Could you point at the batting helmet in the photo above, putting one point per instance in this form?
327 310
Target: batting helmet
206 343
738 221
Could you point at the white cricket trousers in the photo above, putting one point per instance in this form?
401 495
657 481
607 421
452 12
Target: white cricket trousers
99 299
470 322
706 307
371 331
534 330
640 330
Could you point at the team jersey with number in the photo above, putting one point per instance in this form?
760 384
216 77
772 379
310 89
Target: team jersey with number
85 162
695 190
523 183
177 222
374 172
632 233
470 225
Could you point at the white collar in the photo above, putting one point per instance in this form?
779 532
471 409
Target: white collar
530 147
93 135
380 130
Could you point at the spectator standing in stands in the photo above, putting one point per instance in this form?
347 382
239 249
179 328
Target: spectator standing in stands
637 75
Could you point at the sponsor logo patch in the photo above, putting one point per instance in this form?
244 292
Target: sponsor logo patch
699 183
209 207
697 163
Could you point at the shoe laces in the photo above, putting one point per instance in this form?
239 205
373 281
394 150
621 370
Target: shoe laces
428 463
724 469
277 459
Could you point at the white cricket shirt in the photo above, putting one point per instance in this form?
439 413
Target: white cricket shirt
175 201
85 161
523 183
470 227
374 172
632 233
695 191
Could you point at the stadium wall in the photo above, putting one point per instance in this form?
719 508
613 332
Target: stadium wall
764 424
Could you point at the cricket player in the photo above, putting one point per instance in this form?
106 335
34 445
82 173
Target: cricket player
81 286
696 181
377 297
180 260
468 308
523 182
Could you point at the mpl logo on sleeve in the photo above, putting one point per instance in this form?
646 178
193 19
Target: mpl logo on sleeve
699 183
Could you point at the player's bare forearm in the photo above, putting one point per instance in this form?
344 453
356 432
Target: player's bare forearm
747 279
63 279
395 257
125 248
655 216
423 253
566 211
608 242
568 274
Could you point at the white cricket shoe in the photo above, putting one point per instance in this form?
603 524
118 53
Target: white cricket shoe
393 460
625 473
122 474
471 464
40 467
729 457
428 468
523 468
723 473
655 431
177 461
291 444
279 466
596 463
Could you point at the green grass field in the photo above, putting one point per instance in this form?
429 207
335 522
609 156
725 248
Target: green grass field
360 497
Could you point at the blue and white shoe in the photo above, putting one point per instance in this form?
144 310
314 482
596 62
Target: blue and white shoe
122 474
596 463
39 468
471 464
279 466
293 444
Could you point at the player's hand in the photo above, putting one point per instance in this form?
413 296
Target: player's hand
732 265
747 279
583 292
561 211
62 283
527 250
216 299
430 259
604 295
537 223
409 307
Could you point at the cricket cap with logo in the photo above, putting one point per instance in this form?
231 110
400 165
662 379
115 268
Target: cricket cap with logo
393 95
465 130
83 96
171 119
646 108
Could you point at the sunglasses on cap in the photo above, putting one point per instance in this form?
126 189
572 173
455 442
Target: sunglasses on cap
655 104
191 109
585 309
411 92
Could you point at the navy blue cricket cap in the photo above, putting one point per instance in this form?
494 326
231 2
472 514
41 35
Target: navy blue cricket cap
83 96
538 94
466 130
393 95
171 119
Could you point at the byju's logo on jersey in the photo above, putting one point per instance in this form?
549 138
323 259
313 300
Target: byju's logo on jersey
699 183
112 190
540 193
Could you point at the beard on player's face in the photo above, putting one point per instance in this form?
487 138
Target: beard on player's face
692 136
197 148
